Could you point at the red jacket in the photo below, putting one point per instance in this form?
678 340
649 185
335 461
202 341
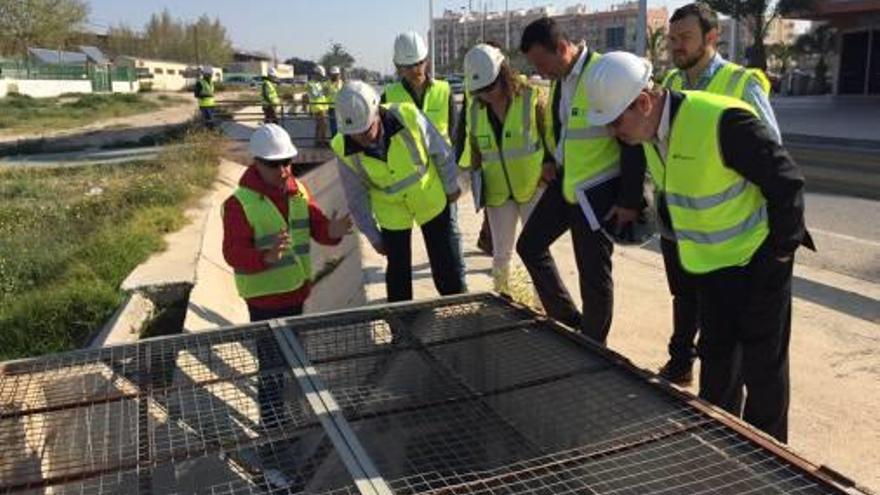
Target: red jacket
238 237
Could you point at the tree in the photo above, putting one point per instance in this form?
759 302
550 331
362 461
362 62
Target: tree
39 23
818 42
782 54
758 14
202 42
339 56
655 42
301 66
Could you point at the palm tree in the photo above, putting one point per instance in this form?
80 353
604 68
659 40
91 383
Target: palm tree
819 42
782 54
655 40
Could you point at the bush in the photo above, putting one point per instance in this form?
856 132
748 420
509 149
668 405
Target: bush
59 282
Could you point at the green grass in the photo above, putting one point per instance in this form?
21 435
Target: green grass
69 237
21 114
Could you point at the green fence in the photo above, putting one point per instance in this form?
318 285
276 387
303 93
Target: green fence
25 70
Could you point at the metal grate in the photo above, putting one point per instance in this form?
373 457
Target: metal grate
463 395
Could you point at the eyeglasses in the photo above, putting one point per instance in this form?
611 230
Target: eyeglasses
411 66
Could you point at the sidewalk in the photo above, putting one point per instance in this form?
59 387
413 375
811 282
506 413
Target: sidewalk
828 116
835 350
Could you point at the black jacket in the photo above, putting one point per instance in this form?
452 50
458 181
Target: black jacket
748 148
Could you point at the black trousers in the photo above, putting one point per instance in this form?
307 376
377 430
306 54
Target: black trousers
685 308
270 388
746 315
270 114
446 261
551 218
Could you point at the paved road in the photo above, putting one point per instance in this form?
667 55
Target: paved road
847 235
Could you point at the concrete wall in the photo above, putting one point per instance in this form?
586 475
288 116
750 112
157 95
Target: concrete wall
125 87
42 88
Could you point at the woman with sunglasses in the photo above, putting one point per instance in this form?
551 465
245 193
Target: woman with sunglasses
507 149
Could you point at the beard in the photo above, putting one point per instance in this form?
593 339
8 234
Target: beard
689 62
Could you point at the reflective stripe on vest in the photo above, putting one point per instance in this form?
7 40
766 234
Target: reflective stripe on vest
514 168
588 150
719 219
729 80
294 269
270 93
399 202
435 102
207 89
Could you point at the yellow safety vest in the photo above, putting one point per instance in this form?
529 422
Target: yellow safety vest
407 187
331 89
317 98
718 217
207 92
590 154
270 94
514 168
435 104
729 80
295 267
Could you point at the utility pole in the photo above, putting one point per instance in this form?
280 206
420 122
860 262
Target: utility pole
734 39
196 42
483 24
467 19
642 28
506 26
433 34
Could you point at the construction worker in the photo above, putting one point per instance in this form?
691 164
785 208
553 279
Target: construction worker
432 96
331 88
692 41
267 225
397 169
270 98
204 93
507 149
583 196
316 99
733 198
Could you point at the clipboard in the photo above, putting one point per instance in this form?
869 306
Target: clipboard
580 193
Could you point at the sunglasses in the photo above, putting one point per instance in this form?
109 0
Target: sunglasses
277 163
411 66
486 89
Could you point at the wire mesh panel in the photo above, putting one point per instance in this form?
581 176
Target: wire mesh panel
453 396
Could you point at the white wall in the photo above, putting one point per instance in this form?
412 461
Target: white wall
125 87
43 88
3 89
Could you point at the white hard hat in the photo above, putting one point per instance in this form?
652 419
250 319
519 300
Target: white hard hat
207 70
271 142
613 82
357 104
409 48
335 70
319 69
273 72
481 66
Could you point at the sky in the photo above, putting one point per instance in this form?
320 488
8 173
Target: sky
306 28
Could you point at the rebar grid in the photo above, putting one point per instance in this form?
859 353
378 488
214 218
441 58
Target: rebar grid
462 395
